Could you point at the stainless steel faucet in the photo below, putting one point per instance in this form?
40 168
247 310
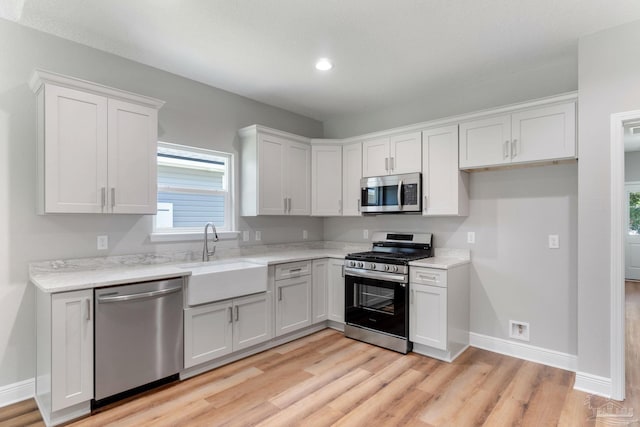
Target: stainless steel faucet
206 253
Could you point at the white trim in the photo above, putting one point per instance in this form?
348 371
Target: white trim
17 392
40 77
616 260
529 352
593 384
253 130
189 236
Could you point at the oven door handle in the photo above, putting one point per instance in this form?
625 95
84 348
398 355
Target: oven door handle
388 277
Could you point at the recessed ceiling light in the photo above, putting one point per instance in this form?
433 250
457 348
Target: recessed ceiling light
324 64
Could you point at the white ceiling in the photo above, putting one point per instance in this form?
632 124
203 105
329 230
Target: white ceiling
385 52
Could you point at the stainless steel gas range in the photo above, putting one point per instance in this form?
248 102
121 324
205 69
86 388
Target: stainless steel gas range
377 289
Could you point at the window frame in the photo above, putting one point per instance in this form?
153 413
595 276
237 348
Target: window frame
197 233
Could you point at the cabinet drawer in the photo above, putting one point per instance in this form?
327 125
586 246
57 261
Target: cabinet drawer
428 276
293 269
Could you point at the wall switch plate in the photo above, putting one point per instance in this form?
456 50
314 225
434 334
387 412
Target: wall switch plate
518 330
365 234
245 236
305 235
554 241
258 236
471 237
103 243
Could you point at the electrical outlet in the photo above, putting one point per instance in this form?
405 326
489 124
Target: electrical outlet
305 235
554 241
365 234
258 236
471 237
245 236
103 243
518 330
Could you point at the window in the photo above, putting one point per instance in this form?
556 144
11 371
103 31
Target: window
193 189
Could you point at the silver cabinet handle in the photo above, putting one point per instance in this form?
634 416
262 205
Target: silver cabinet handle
279 294
104 197
386 163
340 206
130 297
295 270
422 276
237 313
230 315
88 309
289 204
343 271
392 161
400 194
506 150
514 148
425 204
113 197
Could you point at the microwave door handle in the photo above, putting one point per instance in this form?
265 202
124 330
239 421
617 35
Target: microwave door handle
400 194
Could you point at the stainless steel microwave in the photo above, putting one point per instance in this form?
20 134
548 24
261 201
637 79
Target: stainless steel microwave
391 194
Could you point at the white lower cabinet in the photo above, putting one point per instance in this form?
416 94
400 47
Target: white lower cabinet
64 360
439 311
218 329
335 289
320 283
293 304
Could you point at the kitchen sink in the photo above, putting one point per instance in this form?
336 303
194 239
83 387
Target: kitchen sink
223 280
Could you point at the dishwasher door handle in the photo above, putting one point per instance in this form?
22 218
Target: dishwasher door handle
142 295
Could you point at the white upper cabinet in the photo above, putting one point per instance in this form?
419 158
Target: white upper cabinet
397 154
445 188
275 173
96 147
532 135
351 175
326 180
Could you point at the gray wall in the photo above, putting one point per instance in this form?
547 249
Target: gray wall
632 166
553 78
609 83
514 275
194 114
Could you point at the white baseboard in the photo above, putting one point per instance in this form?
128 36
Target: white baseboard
593 384
524 351
17 392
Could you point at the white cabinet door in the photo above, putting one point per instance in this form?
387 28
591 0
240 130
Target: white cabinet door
71 348
444 186
74 147
252 322
326 182
298 181
428 315
271 178
405 153
320 280
293 307
485 142
133 146
375 157
351 175
336 290
544 133
207 333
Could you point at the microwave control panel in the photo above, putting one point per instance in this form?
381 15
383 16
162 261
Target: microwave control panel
410 194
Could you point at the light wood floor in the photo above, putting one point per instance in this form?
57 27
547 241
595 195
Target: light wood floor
326 379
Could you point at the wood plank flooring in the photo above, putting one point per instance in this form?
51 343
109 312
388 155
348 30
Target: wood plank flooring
326 379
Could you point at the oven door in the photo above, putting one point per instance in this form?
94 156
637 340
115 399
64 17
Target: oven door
375 304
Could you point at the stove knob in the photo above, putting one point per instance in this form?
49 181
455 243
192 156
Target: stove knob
360 265
395 268
372 266
352 263
386 268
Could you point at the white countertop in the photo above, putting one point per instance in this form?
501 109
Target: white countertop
71 278
440 262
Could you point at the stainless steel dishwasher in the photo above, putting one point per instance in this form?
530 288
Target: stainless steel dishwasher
138 336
